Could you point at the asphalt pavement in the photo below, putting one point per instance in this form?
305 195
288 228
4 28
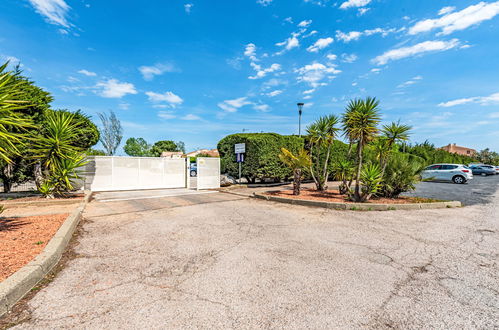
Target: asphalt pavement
480 190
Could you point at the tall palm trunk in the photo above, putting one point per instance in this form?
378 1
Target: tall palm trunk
325 173
358 196
296 181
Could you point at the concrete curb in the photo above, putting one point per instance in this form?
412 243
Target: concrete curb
360 206
40 203
13 288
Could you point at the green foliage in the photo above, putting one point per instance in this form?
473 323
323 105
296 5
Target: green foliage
262 155
401 175
321 135
62 178
297 163
88 134
111 133
56 139
429 154
487 156
2 208
344 171
46 189
370 178
167 145
137 147
11 121
95 152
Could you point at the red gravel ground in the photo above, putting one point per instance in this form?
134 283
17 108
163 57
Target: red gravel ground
334 196
5 198
22 239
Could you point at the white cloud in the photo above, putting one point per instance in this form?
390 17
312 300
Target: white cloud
148 72
260 73
315 72
188 7
320 44
410 82
112 88
168 97
310 91
456 21
261 107
190 117
376 70
494 115
54 11
446 10
331 57
264 2
87 73
12 59
305 23
362 11
354 3
234 105
421 48
482 100
290 43
166 115
349 58
355 35
274 93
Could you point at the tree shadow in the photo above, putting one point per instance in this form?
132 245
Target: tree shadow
11 223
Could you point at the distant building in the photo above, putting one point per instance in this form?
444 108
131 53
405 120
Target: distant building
455 149
172 154
210 152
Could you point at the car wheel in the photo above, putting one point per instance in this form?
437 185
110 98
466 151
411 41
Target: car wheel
458 179
193 173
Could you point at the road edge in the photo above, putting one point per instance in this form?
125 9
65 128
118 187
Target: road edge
16 286
360 206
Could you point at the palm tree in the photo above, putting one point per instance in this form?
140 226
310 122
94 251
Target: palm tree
297 163
10 102
362 127
392 133
56 141
352 106
322 133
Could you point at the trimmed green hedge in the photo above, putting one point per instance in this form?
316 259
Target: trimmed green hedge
261 158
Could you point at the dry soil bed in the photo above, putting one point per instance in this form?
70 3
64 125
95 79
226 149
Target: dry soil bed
335 196
23 238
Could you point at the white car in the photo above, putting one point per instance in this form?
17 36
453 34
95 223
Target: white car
456 173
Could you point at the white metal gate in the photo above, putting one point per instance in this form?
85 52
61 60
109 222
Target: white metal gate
108 173
208 176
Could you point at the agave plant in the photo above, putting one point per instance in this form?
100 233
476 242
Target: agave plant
297 163
370 178
401 175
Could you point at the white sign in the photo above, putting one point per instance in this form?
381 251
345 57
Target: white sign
240 148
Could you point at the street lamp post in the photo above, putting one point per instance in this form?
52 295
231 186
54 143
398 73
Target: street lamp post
300 110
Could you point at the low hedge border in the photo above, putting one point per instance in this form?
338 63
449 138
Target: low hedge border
16 286
360 206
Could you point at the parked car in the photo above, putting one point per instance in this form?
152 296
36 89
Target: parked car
497 170
483 170
194 169
456 173
492 167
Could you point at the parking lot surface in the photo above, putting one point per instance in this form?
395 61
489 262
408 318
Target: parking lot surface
229 262
477 191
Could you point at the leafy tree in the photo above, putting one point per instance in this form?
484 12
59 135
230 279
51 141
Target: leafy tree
361 126
297 163
321 134
137 147
486 156
111 133
167 145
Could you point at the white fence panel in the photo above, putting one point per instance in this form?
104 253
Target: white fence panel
208 175
105 173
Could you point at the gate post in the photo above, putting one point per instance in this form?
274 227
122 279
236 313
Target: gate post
188 172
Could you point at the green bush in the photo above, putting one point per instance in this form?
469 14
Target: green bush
262 155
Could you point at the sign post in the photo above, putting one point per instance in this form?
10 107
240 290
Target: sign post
240 150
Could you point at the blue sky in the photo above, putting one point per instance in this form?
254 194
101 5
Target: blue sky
198 70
